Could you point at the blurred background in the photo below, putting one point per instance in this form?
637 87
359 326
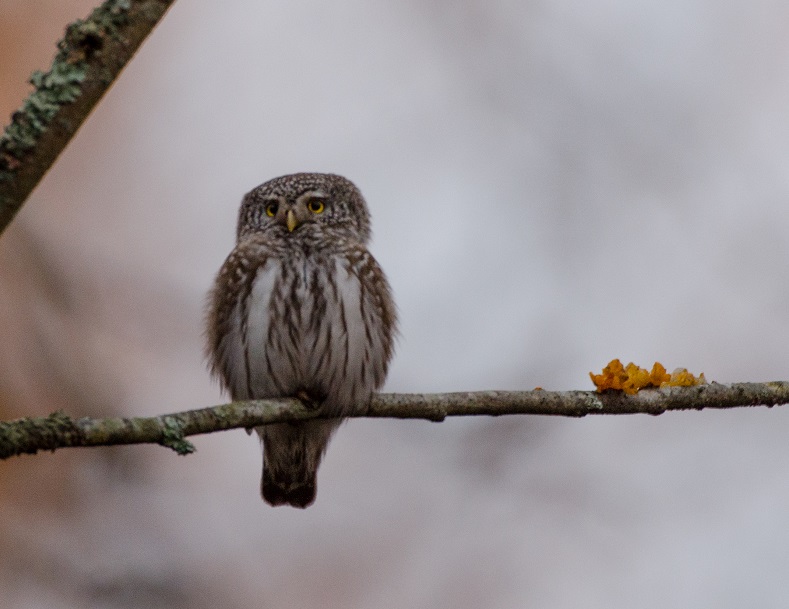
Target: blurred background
552 184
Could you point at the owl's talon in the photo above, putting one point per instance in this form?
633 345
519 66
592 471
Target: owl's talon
309 401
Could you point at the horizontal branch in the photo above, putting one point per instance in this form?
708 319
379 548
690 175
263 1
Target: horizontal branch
89 58
58 430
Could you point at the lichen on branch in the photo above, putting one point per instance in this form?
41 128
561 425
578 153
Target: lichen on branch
90 56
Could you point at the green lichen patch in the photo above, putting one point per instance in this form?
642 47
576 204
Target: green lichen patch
29 435
53 89
61 85
173 437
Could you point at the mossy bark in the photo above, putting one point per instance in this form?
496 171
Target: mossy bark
89 58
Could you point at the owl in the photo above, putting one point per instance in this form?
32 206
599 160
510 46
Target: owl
301 309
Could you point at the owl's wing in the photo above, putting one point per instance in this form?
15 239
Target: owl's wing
382 309
247 271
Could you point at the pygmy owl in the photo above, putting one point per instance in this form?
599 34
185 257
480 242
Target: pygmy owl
300 308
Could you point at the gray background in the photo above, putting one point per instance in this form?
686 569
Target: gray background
552 184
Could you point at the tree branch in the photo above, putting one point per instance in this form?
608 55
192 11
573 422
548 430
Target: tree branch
90 57
58 430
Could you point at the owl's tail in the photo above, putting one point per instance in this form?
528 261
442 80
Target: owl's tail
296 492
292 453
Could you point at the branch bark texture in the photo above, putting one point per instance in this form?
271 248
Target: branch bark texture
58 430
89 58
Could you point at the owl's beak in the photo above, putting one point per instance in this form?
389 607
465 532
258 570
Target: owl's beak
291 221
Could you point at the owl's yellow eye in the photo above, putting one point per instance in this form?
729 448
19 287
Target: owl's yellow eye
316 206
271 209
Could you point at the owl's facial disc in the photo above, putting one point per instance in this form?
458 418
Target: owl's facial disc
309 204
292 214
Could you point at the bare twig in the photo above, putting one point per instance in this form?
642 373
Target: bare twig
90 57
58 430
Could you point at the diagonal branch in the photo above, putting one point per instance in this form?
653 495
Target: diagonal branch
89 58
29 435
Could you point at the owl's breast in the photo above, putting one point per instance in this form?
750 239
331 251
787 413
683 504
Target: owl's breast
307 328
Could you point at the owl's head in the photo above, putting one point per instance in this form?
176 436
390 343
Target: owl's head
289 204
